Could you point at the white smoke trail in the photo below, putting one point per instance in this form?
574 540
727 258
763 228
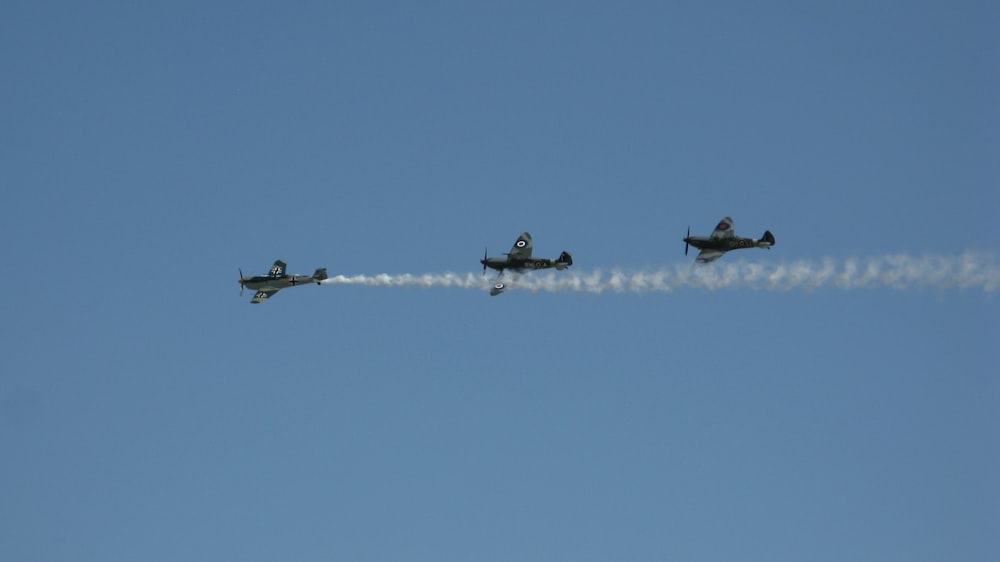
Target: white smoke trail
901 272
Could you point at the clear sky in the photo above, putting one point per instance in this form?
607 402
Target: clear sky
149 150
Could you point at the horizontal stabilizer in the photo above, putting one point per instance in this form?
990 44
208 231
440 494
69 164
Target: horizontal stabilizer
320 274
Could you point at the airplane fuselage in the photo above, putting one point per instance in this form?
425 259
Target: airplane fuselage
501 264
259 282
723 244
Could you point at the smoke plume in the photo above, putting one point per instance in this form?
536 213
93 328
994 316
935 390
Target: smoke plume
900 272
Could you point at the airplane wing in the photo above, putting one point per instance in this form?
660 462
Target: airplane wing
500 286
725 229
262 295
278 269
522 248
708 256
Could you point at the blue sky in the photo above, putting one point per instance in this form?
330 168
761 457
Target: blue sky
147 412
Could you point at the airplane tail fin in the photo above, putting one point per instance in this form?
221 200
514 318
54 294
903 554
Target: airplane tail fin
767 240
565 260
320 275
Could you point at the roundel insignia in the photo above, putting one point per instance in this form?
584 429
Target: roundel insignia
521 243
723 226
498 286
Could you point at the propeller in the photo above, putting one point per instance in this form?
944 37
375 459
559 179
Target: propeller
485 253
241 281
686 241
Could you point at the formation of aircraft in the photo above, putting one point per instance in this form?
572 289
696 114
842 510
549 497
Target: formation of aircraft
519 260
723 239
276 280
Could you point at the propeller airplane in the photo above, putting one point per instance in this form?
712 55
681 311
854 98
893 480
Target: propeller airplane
275 280
723 239
519 261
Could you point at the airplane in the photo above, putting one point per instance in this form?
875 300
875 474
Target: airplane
519 260
276 280
722 240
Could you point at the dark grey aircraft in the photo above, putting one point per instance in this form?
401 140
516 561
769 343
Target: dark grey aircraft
276 280
519 260
722 240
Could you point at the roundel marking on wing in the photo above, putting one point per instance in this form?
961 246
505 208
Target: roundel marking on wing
723 225
521 243
498 286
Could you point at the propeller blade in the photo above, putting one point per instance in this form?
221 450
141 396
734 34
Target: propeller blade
241 281
485 253
686 241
